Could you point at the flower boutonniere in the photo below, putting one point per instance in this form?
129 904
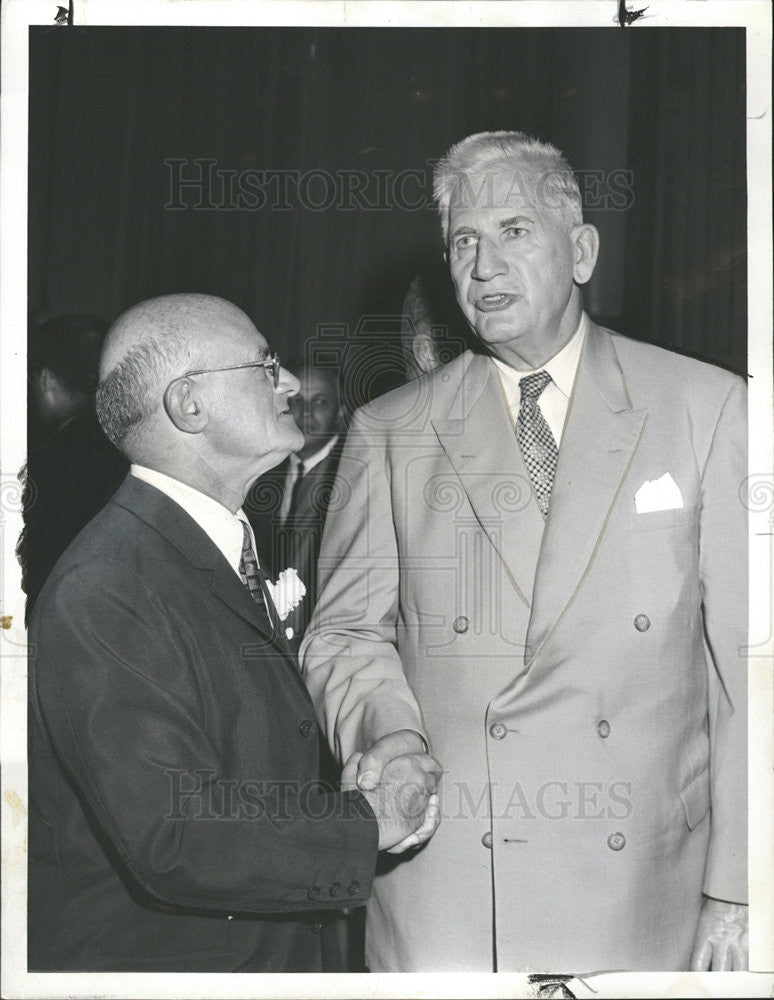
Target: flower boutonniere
287 593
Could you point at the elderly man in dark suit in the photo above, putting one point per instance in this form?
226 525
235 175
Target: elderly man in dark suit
176 819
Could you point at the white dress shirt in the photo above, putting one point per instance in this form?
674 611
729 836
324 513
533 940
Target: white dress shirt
215 520
555 398
300 467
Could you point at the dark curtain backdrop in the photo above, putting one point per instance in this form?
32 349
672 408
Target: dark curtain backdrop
111 107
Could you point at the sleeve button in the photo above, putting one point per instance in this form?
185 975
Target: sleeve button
460 625
314 892
335 889
353 888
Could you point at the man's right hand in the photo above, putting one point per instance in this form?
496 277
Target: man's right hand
399 780
379 754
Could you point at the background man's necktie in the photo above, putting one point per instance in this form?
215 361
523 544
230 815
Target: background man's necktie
294 476
294 493
535 438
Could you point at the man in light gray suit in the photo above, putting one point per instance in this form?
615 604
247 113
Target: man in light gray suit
542 573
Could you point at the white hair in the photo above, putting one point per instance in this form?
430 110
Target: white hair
131 390
486 154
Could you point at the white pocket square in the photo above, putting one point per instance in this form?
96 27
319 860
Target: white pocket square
658 494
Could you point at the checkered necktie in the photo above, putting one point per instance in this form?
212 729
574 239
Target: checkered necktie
535 438
248 569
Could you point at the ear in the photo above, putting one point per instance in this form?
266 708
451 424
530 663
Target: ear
424 351
47 380
585 242
341 420
184 406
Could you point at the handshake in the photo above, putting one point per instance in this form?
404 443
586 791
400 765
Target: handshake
400 781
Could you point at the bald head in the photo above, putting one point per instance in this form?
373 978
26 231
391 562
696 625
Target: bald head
183 322
147 346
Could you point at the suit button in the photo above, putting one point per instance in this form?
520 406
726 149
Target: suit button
616 841
460 624
497 731
642 623
486 840
353 888
314 892
306 727
335 889
316 928
603 728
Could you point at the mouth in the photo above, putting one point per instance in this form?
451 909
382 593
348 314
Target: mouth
495 301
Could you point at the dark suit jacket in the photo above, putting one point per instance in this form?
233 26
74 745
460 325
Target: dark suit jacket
69 478
173 764
295 543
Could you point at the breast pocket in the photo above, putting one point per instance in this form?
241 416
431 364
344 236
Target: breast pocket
658 520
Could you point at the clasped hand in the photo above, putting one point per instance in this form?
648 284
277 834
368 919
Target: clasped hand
400 782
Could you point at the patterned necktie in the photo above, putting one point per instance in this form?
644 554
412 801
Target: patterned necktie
248 570
535 438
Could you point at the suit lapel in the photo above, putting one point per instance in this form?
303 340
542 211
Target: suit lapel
478 437
310 499
227 587
162 514
600 438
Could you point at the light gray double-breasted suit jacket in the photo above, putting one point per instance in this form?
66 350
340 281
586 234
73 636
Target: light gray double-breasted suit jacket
581 679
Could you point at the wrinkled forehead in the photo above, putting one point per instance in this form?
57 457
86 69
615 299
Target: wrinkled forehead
234 342
516 186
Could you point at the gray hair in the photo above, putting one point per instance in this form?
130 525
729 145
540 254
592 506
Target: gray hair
130 392
486 153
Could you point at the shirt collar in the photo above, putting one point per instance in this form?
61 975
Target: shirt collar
216 521
562 367
308 464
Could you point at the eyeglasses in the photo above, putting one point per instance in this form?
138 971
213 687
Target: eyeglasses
271 364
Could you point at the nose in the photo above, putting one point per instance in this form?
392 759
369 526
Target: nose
489 260
288 383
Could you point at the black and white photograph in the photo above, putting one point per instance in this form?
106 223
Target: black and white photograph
387 499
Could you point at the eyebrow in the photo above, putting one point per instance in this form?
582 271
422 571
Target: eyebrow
460 230
262 356
514 218
502 224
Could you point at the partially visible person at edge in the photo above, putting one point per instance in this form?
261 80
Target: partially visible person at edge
176 818
74 470
542 570
433 331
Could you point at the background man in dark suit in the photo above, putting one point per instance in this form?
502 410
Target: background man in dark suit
287 506
176 821
72 469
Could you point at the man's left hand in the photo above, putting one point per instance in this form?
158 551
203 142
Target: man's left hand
721 937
